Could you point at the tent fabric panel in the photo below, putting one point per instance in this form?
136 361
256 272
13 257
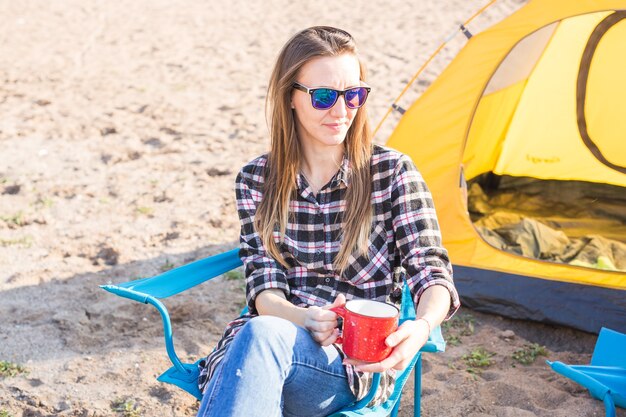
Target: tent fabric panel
520 62
545 122
605 90
489 126
584 307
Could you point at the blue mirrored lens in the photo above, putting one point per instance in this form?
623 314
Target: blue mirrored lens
356 97
324 98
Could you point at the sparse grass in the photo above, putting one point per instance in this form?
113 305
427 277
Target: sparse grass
477 359
44 202
453 340
24 241
9 369
179 87
234 275
16 219
127 407
529 353
167 266
464 323
4 413
237 275
459 325
241 304
146 211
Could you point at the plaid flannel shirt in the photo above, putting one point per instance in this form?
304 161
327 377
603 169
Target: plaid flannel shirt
404 238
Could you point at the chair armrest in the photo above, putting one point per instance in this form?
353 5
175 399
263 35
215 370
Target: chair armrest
149 290
595 387
178 279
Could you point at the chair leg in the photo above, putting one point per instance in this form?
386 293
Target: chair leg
396 408
609 405
418 388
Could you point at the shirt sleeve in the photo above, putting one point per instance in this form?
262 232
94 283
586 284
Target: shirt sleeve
261 269
417 234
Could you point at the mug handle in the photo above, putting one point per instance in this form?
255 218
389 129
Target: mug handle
341 312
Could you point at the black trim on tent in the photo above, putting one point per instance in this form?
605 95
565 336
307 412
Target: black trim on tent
581 85
584 307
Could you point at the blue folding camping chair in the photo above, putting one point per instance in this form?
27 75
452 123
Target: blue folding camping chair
185 375
605 376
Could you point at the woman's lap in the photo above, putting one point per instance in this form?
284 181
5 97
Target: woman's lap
269 353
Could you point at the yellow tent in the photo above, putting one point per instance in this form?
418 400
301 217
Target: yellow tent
538 98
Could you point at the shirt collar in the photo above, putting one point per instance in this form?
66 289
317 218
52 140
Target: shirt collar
342 175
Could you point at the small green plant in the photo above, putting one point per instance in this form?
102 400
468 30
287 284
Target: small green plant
44 202
464 323
4 413
127 407
167 266
8 369
233 275
477 359
453 340
24 241
146 211
529 353
16 219
457 326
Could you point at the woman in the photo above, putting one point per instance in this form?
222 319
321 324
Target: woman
325 217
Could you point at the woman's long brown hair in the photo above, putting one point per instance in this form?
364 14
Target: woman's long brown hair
284 158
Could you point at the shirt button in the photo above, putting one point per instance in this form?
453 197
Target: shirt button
327 280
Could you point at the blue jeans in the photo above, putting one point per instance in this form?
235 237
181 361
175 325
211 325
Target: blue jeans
274 368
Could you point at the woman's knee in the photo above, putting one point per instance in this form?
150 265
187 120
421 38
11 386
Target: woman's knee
270 328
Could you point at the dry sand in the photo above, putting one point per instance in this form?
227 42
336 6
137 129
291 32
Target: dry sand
123 126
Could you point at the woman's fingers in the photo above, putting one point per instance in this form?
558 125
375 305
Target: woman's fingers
397 337
330 339
321 322
321 314
325 338
353 362
321 326
388 363
340 300
404 348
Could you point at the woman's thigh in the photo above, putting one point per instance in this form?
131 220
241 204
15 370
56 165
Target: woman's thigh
317 384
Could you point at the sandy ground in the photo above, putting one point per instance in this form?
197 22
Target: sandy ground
123 126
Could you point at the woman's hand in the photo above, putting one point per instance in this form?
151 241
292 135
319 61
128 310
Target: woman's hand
406 342
322 323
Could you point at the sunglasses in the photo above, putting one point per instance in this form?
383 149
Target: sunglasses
324 98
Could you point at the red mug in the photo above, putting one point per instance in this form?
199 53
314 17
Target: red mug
366 325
